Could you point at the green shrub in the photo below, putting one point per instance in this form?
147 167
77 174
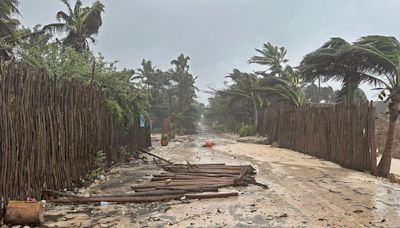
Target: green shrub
247 130
99 166
124 154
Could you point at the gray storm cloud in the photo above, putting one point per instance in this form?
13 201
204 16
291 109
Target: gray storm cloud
221 35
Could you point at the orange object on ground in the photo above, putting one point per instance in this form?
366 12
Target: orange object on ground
209 144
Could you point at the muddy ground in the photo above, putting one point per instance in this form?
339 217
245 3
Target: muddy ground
304 192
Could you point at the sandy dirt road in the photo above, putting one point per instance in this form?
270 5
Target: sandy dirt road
304 192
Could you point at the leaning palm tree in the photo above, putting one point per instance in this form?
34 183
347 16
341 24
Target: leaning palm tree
327 63
260 92
271 56
80 24
244 87
379 56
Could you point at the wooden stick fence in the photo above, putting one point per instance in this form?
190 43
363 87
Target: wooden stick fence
342 133
51 129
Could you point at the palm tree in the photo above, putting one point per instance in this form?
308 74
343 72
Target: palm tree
155 79
379 56
271 56
259 92
8 26
80 24
244 87
183 82
183 88
7 23
327 63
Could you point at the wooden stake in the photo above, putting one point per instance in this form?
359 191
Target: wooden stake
156 156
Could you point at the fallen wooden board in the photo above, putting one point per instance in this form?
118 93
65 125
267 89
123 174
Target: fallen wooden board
195 174
165 184
211 195
207 171
147 193
144 199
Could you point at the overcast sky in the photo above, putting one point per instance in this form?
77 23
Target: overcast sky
220 35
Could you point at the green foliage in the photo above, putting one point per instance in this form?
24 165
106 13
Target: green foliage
79 23
242 100
99 165
124 154
247 130
125 99
171 93
335 60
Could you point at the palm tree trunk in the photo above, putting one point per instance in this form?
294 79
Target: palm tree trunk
255 116
383 168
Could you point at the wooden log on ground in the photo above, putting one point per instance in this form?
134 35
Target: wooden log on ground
187 178
183 183
192 188
146 152
194 179
57 193
208 171
205 167
196 174
24 213
211 195
147 193
204 186
138 199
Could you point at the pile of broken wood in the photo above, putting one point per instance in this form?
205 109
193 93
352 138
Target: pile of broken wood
182 181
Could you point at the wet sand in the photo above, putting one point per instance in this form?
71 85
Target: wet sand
304 192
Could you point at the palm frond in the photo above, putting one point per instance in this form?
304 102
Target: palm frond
92 18
55 28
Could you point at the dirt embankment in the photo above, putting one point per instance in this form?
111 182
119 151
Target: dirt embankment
381 125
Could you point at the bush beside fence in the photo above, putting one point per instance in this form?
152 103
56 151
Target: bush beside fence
342 133
50 131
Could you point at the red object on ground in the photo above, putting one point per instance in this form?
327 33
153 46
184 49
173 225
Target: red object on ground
209 144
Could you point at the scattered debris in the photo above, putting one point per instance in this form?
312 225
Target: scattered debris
183 181
334 191
254 140
146 152
393 178
284 215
